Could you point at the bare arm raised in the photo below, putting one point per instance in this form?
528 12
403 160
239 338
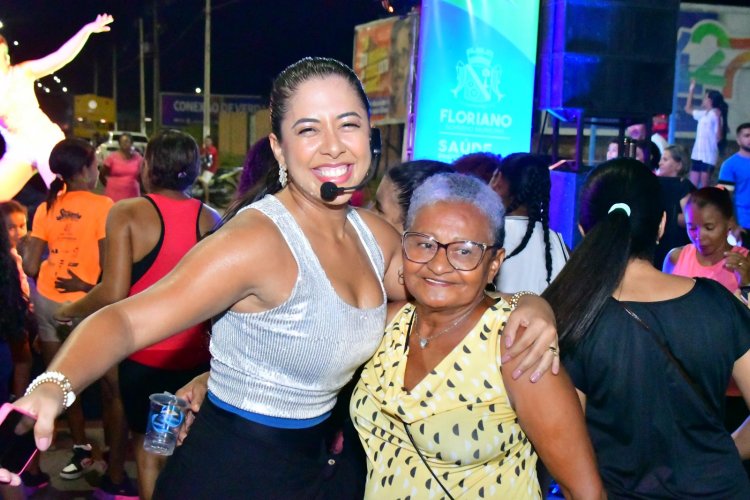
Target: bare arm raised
69 50
689 100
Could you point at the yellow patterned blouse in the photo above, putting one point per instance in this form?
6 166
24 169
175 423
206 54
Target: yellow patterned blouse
459 416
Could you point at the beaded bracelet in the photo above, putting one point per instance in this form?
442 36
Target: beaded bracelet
58 379
516 297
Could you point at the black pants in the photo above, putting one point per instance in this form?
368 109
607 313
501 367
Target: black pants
226 456
138 382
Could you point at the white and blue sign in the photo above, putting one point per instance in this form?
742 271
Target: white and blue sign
475 77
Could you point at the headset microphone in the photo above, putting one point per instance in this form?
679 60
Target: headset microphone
329 191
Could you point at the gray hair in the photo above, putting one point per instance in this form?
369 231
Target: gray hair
460 188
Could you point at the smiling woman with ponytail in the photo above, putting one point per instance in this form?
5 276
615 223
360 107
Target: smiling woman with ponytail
650 353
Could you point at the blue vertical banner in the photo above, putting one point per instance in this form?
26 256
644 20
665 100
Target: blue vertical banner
475 77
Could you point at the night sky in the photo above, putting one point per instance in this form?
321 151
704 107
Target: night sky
252 40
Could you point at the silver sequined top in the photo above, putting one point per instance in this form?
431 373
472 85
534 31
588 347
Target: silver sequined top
292 360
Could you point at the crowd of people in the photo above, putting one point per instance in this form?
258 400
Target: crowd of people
330 351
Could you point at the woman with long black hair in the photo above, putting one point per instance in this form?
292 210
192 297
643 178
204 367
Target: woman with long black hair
650 353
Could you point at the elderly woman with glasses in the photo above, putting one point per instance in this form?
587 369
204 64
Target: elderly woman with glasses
437 409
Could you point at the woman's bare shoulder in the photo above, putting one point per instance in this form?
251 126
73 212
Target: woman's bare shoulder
250 229
381 228
674 254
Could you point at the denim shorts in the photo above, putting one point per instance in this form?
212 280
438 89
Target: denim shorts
45 309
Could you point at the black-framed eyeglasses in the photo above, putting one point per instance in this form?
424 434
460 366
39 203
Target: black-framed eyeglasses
462 255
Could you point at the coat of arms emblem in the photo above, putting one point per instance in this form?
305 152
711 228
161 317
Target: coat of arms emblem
478 79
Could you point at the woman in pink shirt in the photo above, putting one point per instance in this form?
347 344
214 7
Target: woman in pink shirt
122 170
709 218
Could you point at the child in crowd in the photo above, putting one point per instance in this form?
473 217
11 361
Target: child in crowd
13 306
14 215
709 218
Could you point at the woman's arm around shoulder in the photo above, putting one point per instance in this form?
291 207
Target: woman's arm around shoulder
550 414
390 244
533 317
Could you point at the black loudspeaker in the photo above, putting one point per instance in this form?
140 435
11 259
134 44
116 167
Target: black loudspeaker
610 58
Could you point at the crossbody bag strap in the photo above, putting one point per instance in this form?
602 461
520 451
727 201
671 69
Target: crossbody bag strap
406 426
424 461
676 362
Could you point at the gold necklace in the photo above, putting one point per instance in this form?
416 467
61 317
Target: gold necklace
424 341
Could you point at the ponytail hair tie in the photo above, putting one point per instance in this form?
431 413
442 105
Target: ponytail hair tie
620 206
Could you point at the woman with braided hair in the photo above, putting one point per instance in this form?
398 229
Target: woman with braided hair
535 254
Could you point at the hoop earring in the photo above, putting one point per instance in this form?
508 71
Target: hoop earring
283 178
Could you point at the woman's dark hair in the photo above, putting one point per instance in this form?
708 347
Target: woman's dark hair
67 159
284 88
13 303
613 238
258 162
173 160
651 151
529 185
714 196
718 102
482 165
410 175
10 207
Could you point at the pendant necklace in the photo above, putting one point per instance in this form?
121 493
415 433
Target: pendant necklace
424 341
